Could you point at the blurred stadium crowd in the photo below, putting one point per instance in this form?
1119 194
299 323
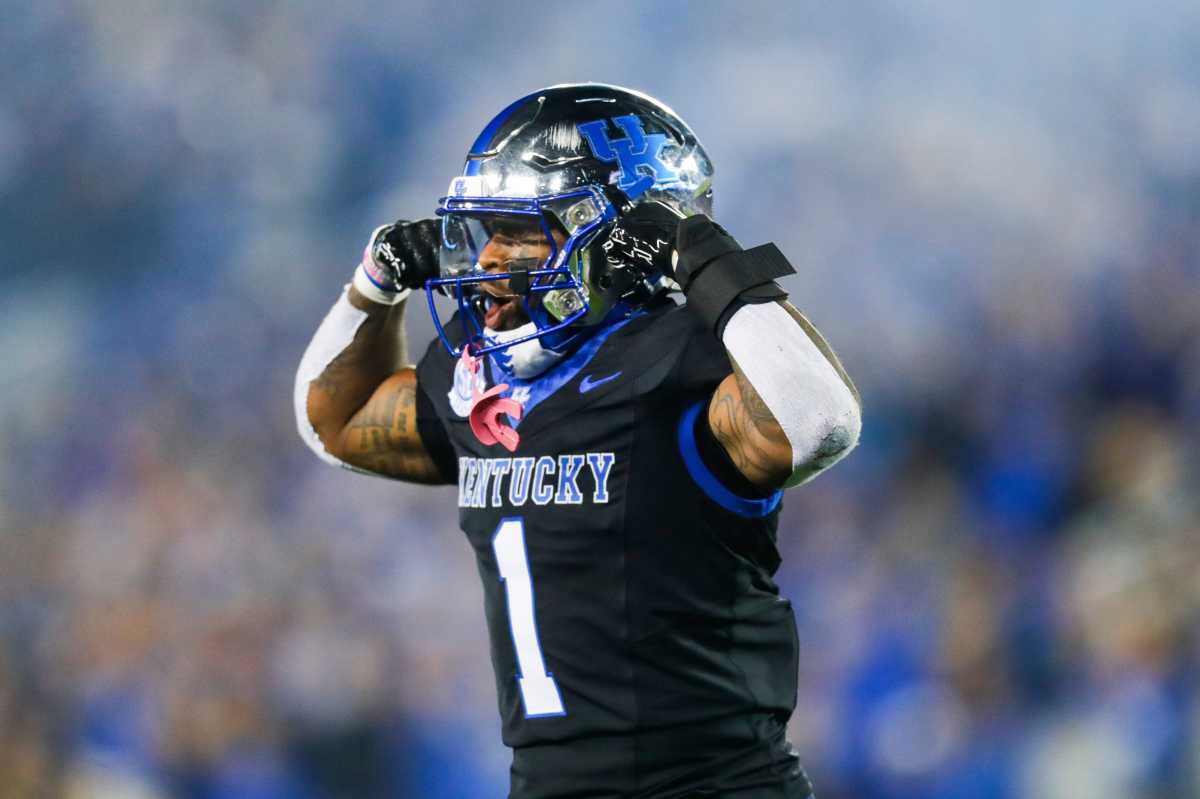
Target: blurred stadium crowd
995 211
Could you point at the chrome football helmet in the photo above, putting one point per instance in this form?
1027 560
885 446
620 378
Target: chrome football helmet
565 163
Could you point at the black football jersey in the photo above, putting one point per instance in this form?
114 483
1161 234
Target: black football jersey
640 645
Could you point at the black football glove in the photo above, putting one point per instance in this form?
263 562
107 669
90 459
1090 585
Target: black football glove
654 238
403 255
715 274
641 242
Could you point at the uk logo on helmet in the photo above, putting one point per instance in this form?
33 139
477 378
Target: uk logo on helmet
638 154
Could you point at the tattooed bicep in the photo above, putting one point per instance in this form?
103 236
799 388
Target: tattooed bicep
382 436
746 429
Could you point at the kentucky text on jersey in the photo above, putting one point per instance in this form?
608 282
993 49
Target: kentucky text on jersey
545 480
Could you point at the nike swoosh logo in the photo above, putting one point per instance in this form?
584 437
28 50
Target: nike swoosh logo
587 383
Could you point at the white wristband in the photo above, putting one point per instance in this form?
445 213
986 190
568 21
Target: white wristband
366 287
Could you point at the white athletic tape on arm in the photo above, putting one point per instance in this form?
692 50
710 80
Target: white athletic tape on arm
800 387
332 337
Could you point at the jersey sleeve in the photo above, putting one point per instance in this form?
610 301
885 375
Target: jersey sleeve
434 437
703 362
434 375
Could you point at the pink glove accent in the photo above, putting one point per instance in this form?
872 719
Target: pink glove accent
486 408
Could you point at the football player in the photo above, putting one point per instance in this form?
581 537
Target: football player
619 457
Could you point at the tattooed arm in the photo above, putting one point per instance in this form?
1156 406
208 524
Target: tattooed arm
755 440
363 406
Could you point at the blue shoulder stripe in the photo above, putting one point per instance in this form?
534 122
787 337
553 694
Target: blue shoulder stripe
539 388
742 506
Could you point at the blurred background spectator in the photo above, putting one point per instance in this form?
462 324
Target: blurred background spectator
995 212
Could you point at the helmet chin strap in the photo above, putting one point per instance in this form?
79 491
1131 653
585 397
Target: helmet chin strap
527 359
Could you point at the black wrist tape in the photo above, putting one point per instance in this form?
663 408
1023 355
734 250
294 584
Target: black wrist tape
728 282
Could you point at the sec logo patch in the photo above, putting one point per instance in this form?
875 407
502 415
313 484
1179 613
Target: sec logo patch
460 394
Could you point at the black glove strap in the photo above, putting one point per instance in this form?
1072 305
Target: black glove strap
735 279
700 241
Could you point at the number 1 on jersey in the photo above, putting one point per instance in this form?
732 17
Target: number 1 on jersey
538 689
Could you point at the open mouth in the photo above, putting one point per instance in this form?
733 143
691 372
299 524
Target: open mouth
504 312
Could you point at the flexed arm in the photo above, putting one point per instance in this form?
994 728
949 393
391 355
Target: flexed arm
355 393
789 410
